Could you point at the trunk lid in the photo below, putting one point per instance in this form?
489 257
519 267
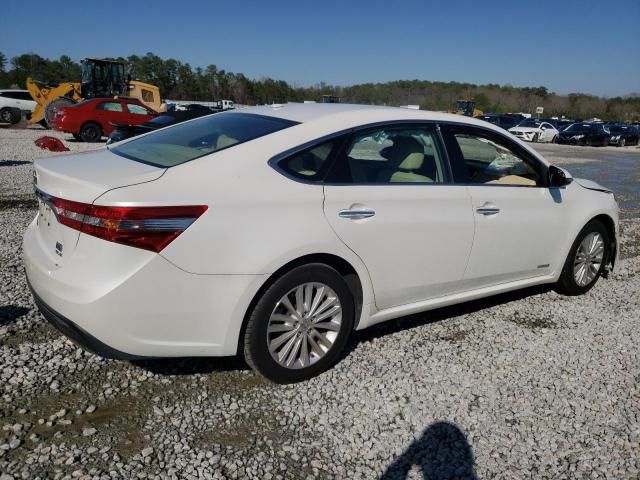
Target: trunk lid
80 177
83 177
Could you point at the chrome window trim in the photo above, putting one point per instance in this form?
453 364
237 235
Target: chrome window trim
274 161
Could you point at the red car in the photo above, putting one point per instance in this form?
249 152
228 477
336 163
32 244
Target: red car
92 119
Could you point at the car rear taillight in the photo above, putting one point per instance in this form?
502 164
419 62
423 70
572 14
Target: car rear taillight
150 228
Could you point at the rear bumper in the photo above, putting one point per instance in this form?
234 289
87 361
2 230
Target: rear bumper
122 302
76 334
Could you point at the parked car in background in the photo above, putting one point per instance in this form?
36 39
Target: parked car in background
278 231
90 120
13 103
126 130
501 120
594 134
622 135
532 130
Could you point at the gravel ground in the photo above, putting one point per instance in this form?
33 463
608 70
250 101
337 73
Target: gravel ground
526 385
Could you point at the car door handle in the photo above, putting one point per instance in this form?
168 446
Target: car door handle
487 210
356 214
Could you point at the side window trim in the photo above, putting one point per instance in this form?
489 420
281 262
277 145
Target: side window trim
458 164
397 124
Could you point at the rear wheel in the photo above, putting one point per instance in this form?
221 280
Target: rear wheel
90 132
51 107
587 259
300 324
554 139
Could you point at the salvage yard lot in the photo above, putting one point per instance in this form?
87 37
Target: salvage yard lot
525 385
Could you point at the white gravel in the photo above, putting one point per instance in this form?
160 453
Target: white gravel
525 385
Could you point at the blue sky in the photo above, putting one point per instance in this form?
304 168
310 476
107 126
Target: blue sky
566 45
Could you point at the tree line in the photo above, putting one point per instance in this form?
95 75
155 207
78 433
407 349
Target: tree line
181 81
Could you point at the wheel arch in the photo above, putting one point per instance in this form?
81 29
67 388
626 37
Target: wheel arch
344 267
610 226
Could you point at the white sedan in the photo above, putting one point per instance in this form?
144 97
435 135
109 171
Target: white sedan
532 130
13 103
274 232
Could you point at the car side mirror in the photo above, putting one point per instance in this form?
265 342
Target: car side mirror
559 177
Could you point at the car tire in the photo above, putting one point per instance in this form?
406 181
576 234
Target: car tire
77 136
554 139
51 107
622 142
581 272
283 321
91 132
535 138
10 115
605 142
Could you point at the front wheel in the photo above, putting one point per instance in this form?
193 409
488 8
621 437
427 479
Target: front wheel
622 142
587 259
300 324
535 138
10 115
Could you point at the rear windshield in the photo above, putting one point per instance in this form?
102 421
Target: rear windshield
187 141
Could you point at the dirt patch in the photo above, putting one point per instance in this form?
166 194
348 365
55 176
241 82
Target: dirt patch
7 203
39 333
454 336
532 322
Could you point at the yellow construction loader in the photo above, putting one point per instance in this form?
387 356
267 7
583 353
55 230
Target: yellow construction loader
100 78
466 107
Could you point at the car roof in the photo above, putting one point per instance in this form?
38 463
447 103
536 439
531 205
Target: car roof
309 112
114 99
341 116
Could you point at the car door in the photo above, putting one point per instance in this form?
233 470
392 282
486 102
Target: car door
389 198
518 219
548 132
108 112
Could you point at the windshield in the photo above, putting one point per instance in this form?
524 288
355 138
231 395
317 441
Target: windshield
187 141
530 123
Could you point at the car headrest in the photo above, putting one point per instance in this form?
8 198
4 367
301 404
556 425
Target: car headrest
405 153
225 141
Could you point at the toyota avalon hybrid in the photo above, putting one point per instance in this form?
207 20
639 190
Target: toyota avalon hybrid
275 232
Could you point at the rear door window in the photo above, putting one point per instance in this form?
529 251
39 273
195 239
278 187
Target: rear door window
110 106
187 141
391 155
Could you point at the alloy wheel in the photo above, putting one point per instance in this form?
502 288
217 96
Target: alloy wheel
588 259
304 325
